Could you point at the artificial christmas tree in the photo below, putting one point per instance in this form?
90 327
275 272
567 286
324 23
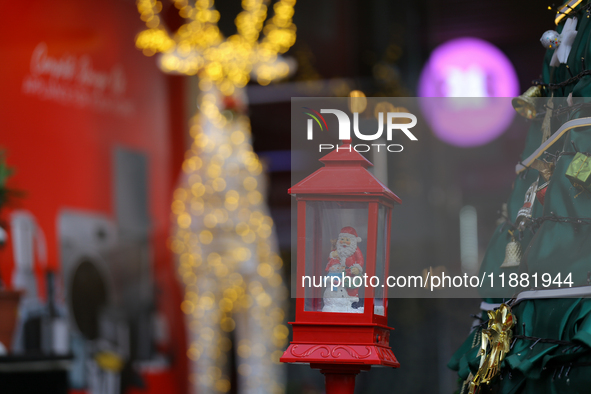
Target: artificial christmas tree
550 338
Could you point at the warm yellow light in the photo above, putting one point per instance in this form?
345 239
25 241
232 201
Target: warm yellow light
383 107
222 228
357 101
198 46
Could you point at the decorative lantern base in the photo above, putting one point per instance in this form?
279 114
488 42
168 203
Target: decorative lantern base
345 355
355 344
340 378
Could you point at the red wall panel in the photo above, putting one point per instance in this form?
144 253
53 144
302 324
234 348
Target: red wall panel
72 87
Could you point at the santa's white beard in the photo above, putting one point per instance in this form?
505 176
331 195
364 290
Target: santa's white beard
345 251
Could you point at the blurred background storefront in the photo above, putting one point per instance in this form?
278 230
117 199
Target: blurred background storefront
99 137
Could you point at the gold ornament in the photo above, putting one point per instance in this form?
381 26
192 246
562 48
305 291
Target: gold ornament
512 253
547 123
544 168
495 344
579 172
525 105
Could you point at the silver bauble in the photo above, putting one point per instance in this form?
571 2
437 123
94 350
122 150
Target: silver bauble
550 39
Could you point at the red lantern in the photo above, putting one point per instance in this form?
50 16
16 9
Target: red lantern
343 233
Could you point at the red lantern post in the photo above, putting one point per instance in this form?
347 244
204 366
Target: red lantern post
343 233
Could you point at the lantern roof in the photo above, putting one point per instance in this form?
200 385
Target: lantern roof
344 173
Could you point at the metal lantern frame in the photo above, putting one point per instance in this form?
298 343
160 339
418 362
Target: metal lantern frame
342 344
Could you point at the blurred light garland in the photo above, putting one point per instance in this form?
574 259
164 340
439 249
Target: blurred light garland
224 237
199 48
228 257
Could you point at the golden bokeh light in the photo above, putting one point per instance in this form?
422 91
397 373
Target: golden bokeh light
198 47
357 101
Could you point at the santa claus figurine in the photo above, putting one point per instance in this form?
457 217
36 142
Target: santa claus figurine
347 256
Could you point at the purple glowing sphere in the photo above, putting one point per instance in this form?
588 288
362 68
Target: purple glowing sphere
457 72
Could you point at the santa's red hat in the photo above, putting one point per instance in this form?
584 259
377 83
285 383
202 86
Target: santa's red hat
350 231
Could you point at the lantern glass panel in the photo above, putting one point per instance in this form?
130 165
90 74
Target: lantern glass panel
381 263
336 250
